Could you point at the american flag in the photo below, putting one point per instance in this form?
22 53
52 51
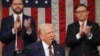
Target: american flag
58 12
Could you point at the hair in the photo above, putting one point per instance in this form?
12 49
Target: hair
11 1
43 27
80 5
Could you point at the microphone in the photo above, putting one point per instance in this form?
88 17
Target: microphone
54 43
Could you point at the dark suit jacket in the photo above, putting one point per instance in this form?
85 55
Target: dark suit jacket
83 45
8 37
36 49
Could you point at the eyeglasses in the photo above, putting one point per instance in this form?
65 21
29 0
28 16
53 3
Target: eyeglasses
83 11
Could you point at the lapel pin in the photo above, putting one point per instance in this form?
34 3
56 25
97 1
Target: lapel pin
58 52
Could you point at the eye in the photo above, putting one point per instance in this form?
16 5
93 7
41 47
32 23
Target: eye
15 4
83 11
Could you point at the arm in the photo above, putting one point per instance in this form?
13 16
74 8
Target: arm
95 39
32 36
71 38
6 34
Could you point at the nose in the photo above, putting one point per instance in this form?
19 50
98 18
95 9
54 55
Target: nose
51 33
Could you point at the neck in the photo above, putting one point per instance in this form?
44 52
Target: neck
17 14
82 20
48 43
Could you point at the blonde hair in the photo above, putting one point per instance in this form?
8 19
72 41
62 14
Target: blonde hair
44 26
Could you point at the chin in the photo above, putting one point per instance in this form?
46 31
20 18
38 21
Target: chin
18 11
82 19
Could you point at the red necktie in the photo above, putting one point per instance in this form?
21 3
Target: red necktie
50 51
19 36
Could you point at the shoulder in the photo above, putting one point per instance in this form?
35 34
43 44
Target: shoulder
32 49
73 24
33 46
26 16
93 24
60 49
58 46
7 18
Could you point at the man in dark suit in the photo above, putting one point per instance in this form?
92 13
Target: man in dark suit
15 24
83 36
42 48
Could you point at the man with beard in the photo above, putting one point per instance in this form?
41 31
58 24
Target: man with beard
17 30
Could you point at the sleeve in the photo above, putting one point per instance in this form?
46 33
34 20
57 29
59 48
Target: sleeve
31 37
78 36
71 38
6 34
95 39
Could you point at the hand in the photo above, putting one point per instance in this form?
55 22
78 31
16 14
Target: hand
87 29
17 24
81 32
27 24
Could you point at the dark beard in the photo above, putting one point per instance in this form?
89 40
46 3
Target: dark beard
17 12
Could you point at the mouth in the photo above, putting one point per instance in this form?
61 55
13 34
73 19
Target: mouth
52 39
18 7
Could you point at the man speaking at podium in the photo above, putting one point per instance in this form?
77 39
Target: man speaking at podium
46 46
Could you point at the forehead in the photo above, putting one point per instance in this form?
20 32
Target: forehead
81 8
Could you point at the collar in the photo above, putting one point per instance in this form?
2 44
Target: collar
15 16
45 45
85 22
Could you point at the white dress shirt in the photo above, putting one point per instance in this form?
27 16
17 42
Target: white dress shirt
21 19
46 49
78 36
15 17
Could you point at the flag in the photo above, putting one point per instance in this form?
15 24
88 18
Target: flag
58 12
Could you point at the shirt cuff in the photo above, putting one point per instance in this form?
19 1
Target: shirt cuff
78 36
13 31
90 37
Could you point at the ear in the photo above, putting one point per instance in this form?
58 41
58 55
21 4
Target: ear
11 5
88 12
41 37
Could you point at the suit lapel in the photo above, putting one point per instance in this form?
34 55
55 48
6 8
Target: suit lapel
88 23
23 18
76 27
23 28
57 51
11 21
41 49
